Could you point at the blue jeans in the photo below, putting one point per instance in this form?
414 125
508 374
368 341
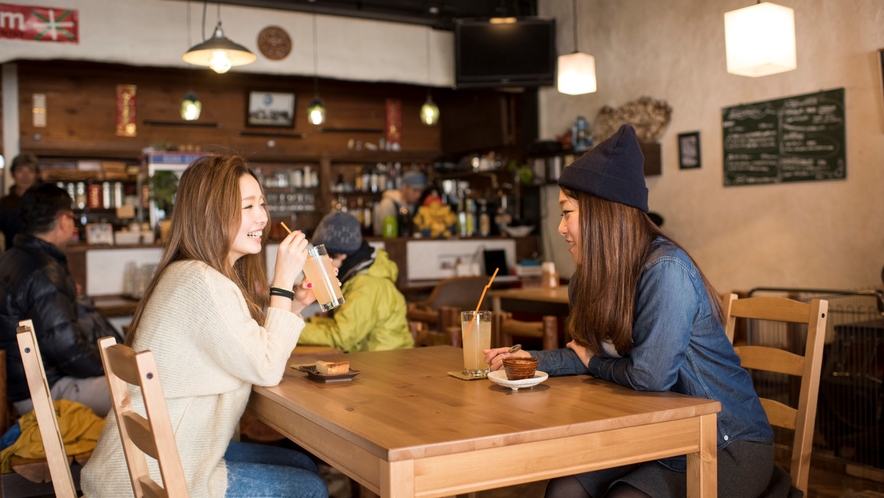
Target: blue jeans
255 470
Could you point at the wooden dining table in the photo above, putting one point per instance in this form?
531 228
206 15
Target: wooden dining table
540 300
403 427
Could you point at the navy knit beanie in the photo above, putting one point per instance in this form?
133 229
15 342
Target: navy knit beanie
612 170
340 232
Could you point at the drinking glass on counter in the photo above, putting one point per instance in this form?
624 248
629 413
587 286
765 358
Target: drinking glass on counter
476 337
320 272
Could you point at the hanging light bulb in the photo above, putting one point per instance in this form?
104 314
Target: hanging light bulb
191 107
760 40
219 53
576 71
316 112
316 109
429 112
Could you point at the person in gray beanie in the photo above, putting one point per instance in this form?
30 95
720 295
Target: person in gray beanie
400 204
372 317
644 316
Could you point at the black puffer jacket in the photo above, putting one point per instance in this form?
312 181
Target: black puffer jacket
35 283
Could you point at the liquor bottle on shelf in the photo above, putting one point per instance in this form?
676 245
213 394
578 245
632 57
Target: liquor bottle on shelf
484 219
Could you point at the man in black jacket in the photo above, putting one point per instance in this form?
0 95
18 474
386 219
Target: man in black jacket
35 284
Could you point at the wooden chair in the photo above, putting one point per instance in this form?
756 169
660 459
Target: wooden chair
53 443
504 327
770 359
151 436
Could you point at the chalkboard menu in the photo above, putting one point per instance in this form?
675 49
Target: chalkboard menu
794 139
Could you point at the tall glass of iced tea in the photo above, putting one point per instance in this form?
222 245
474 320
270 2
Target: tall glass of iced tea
320 272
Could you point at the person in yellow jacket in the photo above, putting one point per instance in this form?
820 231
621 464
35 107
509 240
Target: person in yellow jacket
373 315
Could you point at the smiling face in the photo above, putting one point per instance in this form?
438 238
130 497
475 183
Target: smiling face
247 239
569 227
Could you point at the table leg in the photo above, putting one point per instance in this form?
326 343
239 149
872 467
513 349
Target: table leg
702 469
397 479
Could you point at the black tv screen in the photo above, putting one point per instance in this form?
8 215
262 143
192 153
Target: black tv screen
522 53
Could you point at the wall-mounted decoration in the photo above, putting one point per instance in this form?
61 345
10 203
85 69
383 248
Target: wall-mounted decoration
393 133
42 24
271 109
126 111
274 43
38 111
793 139
100 233
648 116
689 150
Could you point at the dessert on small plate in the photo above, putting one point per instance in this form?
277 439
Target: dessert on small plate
325 371
499 377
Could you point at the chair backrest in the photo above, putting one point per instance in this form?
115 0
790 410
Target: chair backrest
53 443
151 436
504 327
770 359
459 292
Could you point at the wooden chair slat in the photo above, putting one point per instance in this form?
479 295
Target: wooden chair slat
771 360
53 442
808 367
137 433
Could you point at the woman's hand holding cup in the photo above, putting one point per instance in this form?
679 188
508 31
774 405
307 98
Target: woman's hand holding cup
290 258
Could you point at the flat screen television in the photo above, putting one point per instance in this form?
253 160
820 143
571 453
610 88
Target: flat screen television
522 53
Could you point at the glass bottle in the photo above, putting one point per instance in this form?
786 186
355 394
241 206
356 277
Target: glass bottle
484 220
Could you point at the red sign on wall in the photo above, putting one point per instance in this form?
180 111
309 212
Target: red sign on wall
45 24
393 133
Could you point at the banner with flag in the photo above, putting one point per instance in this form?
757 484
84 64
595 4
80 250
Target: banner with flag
42 24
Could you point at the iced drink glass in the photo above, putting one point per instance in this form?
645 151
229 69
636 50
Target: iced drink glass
476 337
320 272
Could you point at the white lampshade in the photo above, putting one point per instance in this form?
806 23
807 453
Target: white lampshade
760 40
576 74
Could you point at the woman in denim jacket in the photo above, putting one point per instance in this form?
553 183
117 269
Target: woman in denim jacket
644 316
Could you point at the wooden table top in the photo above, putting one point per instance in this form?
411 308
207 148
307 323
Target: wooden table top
557 295
403 405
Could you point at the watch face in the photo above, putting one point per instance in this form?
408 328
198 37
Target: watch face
274 43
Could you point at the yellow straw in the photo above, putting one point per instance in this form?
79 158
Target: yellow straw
283 226
476 313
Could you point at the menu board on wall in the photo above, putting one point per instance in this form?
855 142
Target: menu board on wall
793 139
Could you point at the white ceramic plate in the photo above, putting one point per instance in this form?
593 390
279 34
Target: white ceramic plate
499 377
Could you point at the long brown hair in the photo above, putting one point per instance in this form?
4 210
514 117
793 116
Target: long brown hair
206 217
615 243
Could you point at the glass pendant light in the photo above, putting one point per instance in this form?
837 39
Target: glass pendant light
576 71
191 107
429 111
316 109
219 53
760 40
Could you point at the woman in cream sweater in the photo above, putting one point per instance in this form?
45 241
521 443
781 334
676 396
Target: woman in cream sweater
215 332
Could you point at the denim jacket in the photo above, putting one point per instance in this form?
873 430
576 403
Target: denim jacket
678 346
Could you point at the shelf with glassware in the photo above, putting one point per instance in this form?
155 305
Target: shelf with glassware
101 191
546 167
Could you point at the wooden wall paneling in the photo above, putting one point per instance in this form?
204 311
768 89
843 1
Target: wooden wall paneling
81 112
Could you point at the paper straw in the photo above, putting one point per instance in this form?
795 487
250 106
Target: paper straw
476 313
283 226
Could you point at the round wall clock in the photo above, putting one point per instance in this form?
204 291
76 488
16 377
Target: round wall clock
274 43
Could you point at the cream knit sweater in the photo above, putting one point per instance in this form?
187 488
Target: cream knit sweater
209 353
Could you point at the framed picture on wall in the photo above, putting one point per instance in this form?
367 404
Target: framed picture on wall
99 233
271 109
689 150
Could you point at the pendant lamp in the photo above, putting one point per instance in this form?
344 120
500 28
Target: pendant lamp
219 53
760 40
190 105
429 111
316 109
576 71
